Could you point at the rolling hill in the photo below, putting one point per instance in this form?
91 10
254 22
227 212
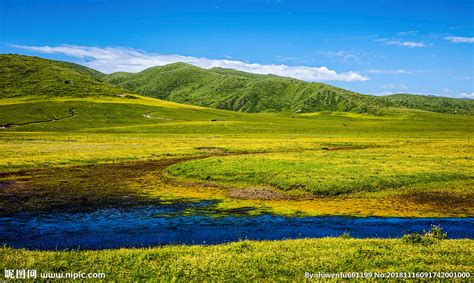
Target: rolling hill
216 88
240 91
32 76
430 103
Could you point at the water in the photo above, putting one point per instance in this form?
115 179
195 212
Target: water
162 225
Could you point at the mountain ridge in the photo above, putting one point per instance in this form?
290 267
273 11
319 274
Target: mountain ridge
22 75
219 88
241 91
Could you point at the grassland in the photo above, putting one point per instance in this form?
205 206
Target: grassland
102 146
33 76
405 163
244 261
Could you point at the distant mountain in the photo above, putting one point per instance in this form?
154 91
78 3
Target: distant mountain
431 103
241 91
33 76
217 88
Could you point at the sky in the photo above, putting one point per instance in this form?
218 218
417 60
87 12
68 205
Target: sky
374 47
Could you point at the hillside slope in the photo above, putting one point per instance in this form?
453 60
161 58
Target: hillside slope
33 76
217 88
431 103
241 91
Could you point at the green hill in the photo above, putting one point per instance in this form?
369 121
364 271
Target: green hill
217 88
431 103
33 76
240 91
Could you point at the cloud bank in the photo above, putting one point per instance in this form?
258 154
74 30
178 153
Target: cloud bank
459 39
468 95
390 72
410 44
113 59
405 33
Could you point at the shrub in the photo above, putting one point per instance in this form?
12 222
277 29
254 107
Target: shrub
346 235
427 237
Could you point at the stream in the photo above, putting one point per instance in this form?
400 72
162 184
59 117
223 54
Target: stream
170 224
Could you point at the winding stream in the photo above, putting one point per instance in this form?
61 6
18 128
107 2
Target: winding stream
170 224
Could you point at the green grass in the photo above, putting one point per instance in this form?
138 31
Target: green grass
430 103
32 76
342 169
123 149
240 91
402 164
251 260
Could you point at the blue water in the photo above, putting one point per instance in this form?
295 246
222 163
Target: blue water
162 225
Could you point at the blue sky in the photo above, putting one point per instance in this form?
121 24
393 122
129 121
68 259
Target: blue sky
375 47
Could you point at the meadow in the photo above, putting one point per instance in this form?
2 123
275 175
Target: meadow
251 260
405 163
134 150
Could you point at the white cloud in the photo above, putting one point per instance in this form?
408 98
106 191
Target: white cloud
459 39
468 95
339 54
400 87
113 59
376 71
392 88
384 93
291 59
410 32
460 27
406 43
410 44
